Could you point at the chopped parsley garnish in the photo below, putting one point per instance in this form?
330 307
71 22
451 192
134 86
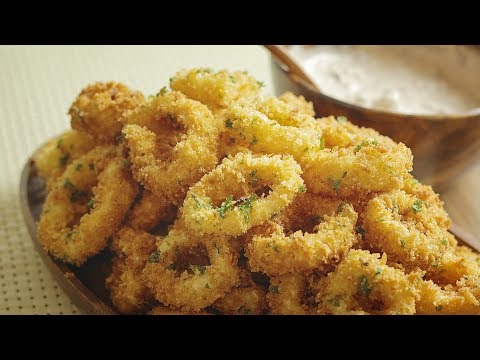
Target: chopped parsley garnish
439 308
162 91
322 142
378 271
199 204
198 269
59 143
207 286
91 203
444 242
275 247
63 160
402 243
372 142
363 285
232 79
228 204
335 301
417 206
67 184
261 84
170 267
337 182
360 230
229 124
302 188
247 206
254 140
340 207
154 257
274 289
91 167
254 177
78 167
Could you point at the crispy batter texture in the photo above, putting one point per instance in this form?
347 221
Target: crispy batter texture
173 142
151 210
248 300
286 294
100 107
218 89
200 285
86 206
128 292
298 103
234 207
363 283
280 254
53 157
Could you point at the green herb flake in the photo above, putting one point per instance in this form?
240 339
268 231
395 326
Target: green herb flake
402 243
302 189
78 167
154 257
246 207
171 267
360 230
254 140
232 79
444 242
198 269
207 286
274 289
275 247
254 177
260 84
417 206
228 204
67 184
322 143
337 182
59 143
378 271
363 285
335 301
91 203
439 308
229 124
340 207
91 167
162 91
63 160
199 203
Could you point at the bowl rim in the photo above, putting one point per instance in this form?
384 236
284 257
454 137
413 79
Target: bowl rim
295 73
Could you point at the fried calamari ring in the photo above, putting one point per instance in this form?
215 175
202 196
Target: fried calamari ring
338 131
298 103
217 90
100 107
248 300
74 236
279 254
164 159
249 128
165 310
286 294
149 211
400 225
52 158
128 292
200 285
235 207
350 171
363 283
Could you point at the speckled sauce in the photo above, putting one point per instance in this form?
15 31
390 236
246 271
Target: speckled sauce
409 79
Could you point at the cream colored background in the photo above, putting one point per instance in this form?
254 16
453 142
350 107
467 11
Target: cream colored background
38 84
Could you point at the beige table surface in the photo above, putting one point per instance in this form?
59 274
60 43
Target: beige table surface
37 85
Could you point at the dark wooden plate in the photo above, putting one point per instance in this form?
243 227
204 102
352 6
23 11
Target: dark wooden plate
86 285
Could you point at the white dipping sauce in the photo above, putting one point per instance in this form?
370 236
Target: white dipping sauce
410 79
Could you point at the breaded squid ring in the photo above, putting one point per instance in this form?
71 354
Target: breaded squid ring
338 131
190 291
363 283
100 107
53 157
248 300
249 128
217 90
235 207
128 292
350 171
163 160
279 254
149 211
73 236
400 225
286 294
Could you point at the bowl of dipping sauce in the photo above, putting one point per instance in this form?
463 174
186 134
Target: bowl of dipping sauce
427 97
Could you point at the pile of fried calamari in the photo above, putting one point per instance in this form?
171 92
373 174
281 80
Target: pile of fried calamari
215 199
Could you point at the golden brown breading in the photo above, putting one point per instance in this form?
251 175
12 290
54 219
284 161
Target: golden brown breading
286 294
100 107
298 103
